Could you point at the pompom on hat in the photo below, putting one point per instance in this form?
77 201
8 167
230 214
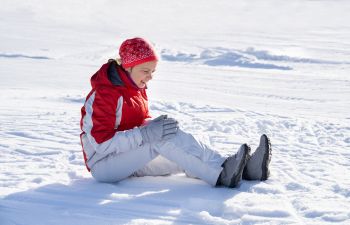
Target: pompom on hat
136 51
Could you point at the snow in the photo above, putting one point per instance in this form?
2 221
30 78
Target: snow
230 71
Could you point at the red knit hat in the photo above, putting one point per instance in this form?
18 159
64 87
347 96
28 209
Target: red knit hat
136 51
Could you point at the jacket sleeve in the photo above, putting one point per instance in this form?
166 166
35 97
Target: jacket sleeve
103 115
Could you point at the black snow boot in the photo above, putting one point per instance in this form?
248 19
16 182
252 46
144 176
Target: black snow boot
257 167
233 167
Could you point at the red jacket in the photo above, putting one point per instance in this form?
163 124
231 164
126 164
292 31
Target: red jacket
113 110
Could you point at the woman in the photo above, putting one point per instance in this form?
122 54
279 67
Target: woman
120 140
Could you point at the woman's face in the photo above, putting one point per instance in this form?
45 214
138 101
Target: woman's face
142 73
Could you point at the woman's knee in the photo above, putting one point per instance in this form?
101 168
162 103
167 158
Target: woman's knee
107 176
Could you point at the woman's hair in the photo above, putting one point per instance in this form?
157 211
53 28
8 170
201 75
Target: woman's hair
119 61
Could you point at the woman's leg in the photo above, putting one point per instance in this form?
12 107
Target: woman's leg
159 166
115 167
195 158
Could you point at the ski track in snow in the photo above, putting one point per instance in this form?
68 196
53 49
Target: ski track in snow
36 152
4 55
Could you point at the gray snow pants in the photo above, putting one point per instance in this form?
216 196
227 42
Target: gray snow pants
181 153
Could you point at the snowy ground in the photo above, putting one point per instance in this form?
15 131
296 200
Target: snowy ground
230 71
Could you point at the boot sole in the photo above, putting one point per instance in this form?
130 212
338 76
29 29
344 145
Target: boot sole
266 160
234 181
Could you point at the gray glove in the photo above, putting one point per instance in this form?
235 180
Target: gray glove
158 129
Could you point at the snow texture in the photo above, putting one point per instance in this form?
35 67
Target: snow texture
230 71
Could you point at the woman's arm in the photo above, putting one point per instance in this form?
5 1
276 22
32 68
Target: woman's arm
103 115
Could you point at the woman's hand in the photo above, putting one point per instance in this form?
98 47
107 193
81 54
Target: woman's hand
158 129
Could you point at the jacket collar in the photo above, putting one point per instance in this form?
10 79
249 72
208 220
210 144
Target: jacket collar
118 76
